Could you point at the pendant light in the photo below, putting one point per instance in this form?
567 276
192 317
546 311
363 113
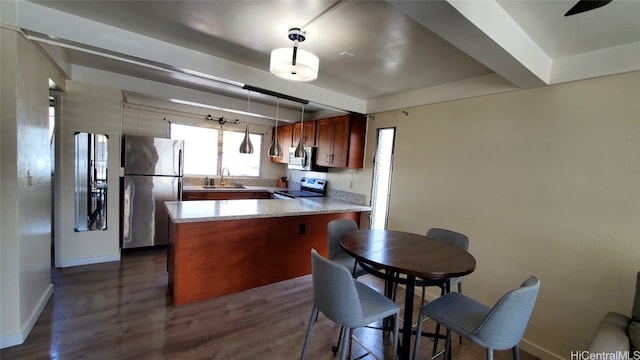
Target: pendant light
246 147
274 149
299 152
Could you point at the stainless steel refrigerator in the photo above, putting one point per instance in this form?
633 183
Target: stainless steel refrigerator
152 175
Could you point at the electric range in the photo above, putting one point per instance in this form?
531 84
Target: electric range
309 187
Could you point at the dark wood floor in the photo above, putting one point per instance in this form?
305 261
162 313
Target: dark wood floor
122 310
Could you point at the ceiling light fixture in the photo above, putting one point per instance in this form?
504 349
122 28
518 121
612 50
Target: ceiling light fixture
294 64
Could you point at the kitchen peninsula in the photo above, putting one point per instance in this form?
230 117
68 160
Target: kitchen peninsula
218 247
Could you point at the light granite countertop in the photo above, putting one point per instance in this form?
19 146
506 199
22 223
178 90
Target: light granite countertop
219 210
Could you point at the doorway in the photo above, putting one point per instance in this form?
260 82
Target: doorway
382 170
54 111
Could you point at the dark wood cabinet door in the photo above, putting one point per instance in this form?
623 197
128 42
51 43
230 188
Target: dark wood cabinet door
234 195
333 141
309 133
192 195
324 141
340 154
340 141
357 135
225 195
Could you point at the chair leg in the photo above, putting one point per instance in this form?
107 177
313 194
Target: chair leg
436 338
489 354
447 346
346 343
394 291
460 291
416 347
516 353
337 346
396 331
443 291
305 347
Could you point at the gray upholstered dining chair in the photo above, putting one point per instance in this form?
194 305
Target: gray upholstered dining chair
346 301
452 237
498 328
459 240
335 229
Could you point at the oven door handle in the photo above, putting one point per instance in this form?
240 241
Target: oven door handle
281 196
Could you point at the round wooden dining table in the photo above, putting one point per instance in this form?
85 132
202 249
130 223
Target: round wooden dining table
405 257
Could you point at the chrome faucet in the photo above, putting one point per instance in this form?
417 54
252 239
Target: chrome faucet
222 175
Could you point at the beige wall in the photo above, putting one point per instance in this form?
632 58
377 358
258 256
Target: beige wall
25 195
544 182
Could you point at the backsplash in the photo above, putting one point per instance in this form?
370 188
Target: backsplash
350 197
354 198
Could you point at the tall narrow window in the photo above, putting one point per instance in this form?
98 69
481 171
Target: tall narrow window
382 178
52 117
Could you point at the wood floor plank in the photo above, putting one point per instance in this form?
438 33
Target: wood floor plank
122 310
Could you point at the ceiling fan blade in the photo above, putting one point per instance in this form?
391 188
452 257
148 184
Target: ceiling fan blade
586 5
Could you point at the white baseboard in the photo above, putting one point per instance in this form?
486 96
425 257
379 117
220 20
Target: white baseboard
539 352
89 260
11 340
19 338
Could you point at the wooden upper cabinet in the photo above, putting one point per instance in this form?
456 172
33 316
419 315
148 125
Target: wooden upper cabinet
333 141
285 133
309 133
340 141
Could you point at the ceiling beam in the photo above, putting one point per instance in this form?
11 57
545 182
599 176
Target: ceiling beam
95 36
484 31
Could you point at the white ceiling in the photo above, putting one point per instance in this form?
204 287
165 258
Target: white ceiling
406 53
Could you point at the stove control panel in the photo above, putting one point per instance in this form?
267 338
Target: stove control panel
313 184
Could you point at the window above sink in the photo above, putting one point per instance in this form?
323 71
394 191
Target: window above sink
208 151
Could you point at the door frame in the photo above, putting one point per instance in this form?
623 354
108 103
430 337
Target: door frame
375 169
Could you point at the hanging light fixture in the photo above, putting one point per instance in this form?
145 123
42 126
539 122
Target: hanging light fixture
274 149
299 152
246 147
292 63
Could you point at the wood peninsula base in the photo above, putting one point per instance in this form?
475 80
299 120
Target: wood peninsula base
214 258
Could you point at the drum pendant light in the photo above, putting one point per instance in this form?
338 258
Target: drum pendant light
292 63
246 147
274 149
299 152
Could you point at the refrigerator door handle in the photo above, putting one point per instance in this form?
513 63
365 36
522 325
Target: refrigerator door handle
180 169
